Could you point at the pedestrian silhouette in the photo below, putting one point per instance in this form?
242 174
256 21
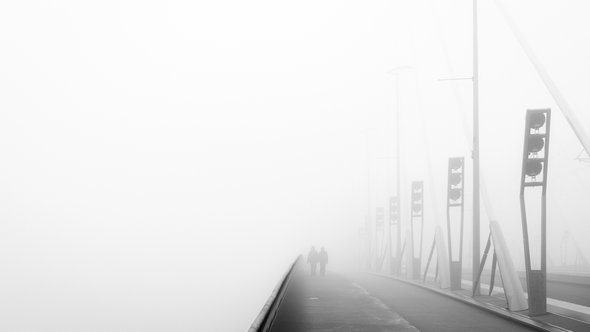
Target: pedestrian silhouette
312 259
323 258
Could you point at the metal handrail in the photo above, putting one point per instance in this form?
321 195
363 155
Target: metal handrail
266 317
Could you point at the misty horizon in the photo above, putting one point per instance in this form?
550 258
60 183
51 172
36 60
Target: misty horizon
165 162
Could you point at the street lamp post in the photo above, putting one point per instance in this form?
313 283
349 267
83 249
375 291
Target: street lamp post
476 213
397 269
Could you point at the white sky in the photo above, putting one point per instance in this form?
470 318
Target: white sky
163 162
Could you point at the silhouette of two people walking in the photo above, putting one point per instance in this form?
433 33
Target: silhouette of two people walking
314 257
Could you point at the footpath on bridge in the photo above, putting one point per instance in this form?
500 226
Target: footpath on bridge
333 303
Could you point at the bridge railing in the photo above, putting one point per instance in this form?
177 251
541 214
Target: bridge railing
266 317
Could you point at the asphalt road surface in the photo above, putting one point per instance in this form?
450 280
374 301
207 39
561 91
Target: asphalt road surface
429 311
334 303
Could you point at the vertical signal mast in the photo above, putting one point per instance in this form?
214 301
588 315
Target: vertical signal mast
455 200
417 215
535 160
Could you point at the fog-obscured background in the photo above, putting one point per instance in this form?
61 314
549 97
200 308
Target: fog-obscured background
163 162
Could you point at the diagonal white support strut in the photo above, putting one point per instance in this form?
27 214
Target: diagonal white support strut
511 283
443 258
564 107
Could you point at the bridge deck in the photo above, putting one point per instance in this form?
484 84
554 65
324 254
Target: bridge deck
371 303
334 303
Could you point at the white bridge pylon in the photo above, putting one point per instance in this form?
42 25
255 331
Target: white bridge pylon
442 258
510 281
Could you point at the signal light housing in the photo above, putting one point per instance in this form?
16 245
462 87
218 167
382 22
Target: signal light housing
455 178
535 150
417 196
394 210
535 143
455 194
533 168
537 120
455 163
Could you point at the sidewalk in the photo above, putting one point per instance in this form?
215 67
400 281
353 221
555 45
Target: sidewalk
333 303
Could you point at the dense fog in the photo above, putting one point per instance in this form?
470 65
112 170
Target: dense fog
163 162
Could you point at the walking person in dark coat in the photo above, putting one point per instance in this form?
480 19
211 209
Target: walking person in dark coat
312 259
323 258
